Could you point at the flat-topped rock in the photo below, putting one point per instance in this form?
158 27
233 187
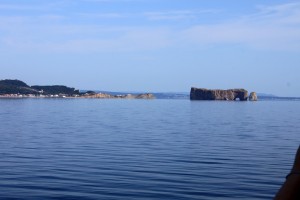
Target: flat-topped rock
227 95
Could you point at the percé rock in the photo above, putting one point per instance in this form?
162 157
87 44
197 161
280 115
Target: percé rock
230 95
253 96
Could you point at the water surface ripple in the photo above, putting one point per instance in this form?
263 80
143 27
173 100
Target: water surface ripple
140 149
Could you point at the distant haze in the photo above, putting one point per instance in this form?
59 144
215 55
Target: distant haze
153 45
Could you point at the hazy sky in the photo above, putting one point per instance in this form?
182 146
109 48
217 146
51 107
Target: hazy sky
153 45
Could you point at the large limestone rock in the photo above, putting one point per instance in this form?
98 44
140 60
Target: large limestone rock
230 95
253 96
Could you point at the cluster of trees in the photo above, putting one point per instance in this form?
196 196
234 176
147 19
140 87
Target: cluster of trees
19 87
56 89
15 87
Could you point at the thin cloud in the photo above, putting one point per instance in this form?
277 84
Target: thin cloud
177 14
279 8
285 14
130 40
102 15
31 7
18 7
112 1
270 28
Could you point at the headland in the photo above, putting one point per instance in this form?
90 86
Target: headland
19 89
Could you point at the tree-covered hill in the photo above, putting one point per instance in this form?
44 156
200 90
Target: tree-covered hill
19 87
15 87
13 83
56 89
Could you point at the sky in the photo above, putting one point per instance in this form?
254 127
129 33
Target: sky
153 45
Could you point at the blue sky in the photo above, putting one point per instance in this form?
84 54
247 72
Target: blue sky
153 45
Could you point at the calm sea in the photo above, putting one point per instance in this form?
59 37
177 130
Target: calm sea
145 149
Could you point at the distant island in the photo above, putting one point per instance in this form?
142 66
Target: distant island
19 89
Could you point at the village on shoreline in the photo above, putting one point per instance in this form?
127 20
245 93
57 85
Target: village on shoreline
83 95
19 89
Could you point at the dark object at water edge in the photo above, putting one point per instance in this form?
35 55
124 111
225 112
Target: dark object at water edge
229 95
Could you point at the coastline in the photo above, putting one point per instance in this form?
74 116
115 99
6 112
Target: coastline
82 96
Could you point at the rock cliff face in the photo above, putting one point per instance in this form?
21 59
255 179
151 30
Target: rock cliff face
229 95
253 96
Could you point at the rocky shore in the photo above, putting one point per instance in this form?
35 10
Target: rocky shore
125 96
94 96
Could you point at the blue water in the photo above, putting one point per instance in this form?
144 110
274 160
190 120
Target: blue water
145 149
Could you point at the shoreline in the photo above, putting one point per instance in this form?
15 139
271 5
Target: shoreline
84 96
